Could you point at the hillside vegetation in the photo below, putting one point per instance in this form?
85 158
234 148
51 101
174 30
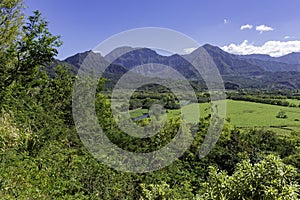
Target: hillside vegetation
42 156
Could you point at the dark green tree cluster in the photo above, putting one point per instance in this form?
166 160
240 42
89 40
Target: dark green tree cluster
146 100
258 99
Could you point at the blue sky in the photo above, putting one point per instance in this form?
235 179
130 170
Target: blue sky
84 24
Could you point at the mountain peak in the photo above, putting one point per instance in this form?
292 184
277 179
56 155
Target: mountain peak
120 51
209 46
85 58
82 55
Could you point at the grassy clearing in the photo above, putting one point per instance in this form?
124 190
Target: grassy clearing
294 101
249 114
138 112
244 114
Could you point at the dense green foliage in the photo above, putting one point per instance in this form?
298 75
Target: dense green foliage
42 157
268 179
266 99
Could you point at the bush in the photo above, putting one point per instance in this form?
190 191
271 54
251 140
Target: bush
268 179
281 114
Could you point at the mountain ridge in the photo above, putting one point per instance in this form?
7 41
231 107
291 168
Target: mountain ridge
243 70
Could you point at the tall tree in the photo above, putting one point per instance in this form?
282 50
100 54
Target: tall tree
28 48
36 47
11 19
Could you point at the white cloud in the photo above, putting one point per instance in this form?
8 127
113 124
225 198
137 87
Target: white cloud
246 26
189 50
288 37
263 28
273 48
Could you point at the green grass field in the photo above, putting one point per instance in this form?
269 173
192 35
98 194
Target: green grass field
248 114
244 114
138 112
294 101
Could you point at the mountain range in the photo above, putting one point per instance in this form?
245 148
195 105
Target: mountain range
256 71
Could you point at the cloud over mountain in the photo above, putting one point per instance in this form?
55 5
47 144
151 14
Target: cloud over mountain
272 48
189 50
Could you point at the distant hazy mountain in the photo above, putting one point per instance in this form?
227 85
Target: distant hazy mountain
289 62
229 64
264 57
243 71
292 58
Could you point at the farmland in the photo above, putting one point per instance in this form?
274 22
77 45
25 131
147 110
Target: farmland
243 114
